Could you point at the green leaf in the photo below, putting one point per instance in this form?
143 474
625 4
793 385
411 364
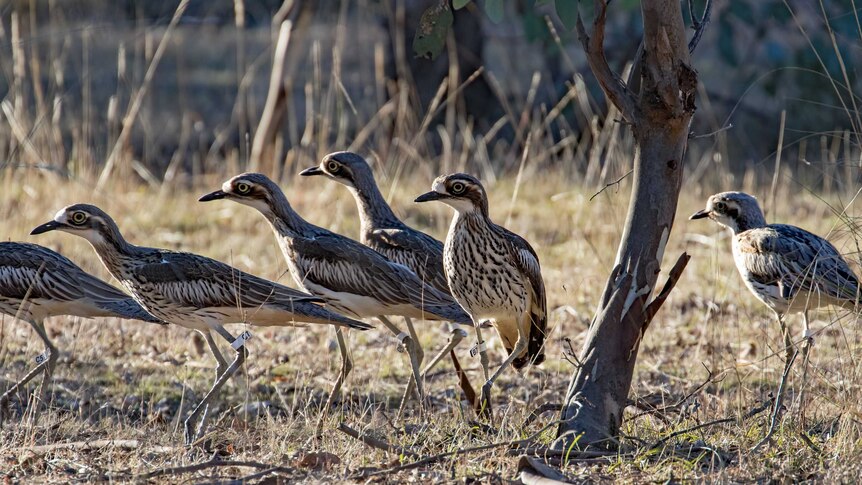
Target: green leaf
494 9
567 11
459 4
433 28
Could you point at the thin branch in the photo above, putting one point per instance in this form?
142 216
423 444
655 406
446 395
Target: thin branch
611 184
672 279
751 413
544 408
375 442
213 463
710 378
569 354
693 428
613 87
692 136
699 26
435 458
94 445
137 101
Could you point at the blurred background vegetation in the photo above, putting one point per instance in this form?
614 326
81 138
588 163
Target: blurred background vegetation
71 67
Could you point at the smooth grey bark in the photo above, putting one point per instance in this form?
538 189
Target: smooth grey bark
660 115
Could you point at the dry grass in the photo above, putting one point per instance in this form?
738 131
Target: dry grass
120 380
127 380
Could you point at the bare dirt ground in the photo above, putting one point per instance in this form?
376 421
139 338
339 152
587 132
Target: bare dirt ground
708 363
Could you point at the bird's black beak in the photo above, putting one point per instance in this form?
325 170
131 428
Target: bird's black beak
308 172
429 196
699 215
46 227
218 194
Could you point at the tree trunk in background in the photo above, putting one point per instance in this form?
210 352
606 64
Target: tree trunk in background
660 115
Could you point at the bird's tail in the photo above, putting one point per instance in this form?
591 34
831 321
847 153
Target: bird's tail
319 314
130 309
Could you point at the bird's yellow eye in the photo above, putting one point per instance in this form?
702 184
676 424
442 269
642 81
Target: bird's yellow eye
333 167
79 217
457 188
243 188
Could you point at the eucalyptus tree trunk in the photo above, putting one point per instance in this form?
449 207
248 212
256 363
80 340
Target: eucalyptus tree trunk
659 115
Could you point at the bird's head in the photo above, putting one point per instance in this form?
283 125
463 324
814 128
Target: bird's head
347 168
737 211
462 192
252 189
84 220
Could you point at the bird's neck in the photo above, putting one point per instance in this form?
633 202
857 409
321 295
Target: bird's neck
745 222
285 220
113 250
374 211
475 220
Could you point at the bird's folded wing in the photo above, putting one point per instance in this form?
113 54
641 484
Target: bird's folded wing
344 265
201 282
527 261
414 249
797 260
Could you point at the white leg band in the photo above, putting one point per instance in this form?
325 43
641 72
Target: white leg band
42 357
241 340
478 348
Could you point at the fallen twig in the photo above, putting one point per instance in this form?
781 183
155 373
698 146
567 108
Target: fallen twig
376 442
93 445
548 406
435 458
213 463
710 378
753 412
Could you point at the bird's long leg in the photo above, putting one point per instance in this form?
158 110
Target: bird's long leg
520 346
417 355
411 349
416 359
457 335
806 348
221 365
50 365
46 366
346 367
219 383
483 355
790 353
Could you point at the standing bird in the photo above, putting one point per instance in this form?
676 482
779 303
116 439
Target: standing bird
383 232
787 268
194 292
37 283
494 274
351 277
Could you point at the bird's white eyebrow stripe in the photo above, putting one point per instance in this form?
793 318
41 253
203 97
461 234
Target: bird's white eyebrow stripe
60 216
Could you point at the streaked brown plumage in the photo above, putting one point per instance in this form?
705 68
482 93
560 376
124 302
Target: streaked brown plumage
37 283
